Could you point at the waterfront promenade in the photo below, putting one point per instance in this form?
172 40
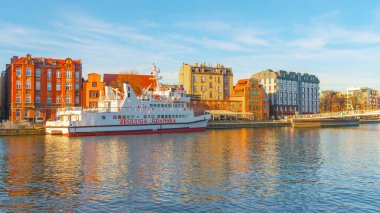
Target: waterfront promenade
224 124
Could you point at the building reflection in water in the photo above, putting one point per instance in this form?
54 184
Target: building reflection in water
20 167
235 166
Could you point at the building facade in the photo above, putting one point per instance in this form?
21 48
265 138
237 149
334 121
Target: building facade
37 87
93 89
210 83
253 98
290 93
2 95
363 98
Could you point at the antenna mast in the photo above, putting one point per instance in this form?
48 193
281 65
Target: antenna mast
156 77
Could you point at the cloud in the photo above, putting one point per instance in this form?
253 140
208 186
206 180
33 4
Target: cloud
252 40
104 46
209 26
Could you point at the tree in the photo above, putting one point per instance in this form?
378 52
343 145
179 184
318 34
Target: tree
340 103
326 101
354 100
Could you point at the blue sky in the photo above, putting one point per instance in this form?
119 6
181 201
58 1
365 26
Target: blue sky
339 41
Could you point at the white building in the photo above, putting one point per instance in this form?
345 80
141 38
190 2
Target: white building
290 93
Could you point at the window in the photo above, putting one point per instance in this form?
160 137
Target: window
28 84
49 73
27 100
38 73
77 75
18 72
58 86
49 86
68 74
38 85
195 79
210 84
76 86
94 84
76 99
28 72
93 104
18 84
58 73
195 88
18 113
58 100
203 79
68 86
37 113
68 99
26 113
49 99
94 94
18 98
38 99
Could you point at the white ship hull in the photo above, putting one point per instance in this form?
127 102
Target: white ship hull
199 124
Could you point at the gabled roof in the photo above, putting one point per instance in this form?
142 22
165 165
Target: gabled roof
47 61
144 81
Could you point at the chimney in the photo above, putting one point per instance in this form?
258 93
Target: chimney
14 58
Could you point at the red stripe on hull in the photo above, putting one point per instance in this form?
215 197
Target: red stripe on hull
161 131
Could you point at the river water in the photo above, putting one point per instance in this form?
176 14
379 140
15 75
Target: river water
240 170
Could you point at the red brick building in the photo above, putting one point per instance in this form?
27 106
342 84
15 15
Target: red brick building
37 87
252 97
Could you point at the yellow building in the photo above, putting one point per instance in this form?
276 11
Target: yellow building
207 82
92 90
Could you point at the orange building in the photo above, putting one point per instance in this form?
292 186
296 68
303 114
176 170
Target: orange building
37 87
138 82
253 98
93 88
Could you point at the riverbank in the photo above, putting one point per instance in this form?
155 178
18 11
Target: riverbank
246 124
212 125
17 132
260 124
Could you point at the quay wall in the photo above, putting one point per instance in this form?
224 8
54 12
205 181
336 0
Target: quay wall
245 124
15 132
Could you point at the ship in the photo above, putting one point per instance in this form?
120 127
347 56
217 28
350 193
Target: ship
155 111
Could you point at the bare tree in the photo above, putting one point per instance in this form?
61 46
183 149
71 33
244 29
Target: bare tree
354 100
340 103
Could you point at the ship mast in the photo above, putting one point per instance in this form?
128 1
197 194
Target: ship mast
154 72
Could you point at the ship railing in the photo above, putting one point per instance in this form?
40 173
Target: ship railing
57 123
134 109
69 109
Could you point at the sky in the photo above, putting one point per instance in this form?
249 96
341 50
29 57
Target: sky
338 41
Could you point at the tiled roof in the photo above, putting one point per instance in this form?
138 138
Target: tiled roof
48 61
144 81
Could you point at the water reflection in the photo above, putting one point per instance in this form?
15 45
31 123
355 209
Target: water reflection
245 169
